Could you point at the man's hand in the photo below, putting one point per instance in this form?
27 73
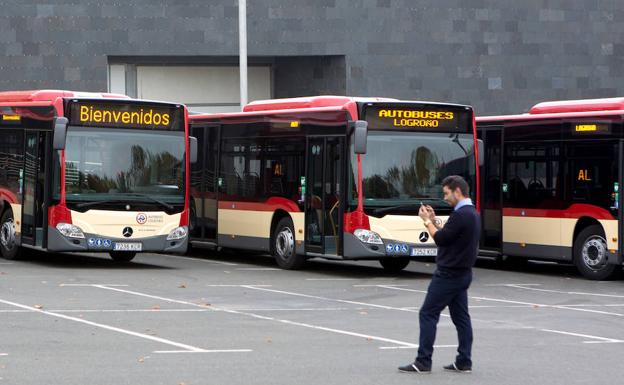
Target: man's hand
423 213
430 213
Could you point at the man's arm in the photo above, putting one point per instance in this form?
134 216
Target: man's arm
450 232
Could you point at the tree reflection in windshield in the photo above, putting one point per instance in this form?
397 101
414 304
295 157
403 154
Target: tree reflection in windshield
400 167
109 162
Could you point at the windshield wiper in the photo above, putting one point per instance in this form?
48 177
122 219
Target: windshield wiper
153 200
411 206
150 199
95 203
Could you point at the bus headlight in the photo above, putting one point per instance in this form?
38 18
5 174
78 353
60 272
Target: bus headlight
368 236
70 231
177 233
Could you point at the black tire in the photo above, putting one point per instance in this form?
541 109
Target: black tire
122 256
590 254
394 265
8 244
283 246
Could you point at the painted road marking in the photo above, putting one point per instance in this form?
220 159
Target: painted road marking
262 317
565 307
415 347
111 328
517 286
201 260
599 339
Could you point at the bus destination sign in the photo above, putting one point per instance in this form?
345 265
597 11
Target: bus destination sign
416 118
120 115
591 128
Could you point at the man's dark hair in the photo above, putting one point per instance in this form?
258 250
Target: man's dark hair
456 182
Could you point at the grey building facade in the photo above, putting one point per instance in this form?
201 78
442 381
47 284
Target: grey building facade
499 56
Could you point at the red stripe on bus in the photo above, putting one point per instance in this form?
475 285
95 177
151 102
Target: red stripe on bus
573 212
270 204
8 195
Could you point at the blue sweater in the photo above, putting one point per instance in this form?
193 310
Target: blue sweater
458 240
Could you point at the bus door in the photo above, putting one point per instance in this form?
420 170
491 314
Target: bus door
324 203
204 185
35 187
491 189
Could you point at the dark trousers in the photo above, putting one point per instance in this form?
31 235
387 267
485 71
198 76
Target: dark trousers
446 289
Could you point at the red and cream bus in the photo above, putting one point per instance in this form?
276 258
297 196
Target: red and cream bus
93 173
329 176
551 184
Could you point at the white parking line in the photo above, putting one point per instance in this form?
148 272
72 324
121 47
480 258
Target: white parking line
415 347
599 339
565 307
258 269
313 309
201 260
4 354
86 284
331 299
233 285
266 318
330 279
111 328
517 286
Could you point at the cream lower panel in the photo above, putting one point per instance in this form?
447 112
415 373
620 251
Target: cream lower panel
404 228
254 223
17 216
610 228
611 232
538 231
112 223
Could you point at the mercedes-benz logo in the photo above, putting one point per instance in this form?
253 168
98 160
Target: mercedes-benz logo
127 232
423 237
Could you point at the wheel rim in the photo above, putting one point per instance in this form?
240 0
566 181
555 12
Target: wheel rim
285 243
594 252
7 234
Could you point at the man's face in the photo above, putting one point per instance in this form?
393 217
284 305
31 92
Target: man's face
452 197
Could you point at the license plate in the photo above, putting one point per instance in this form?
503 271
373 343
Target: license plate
128 246
424 252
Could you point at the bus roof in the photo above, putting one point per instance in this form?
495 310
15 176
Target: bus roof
51 95
565 109
322 103
309 102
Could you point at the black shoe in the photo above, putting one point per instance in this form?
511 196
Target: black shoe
458 368
415 367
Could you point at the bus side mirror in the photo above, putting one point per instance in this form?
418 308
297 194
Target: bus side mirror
360 134
60 133
193 149
481 150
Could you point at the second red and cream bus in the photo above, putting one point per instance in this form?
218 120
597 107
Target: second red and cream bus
329 176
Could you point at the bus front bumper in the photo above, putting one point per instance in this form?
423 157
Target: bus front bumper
97 243
355 249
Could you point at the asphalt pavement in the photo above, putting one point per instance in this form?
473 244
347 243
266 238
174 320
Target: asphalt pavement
234 318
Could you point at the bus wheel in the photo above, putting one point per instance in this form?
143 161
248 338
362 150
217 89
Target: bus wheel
394 265
122 256
8 244
283 246
590 254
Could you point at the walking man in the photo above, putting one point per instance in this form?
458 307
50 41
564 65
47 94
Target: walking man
458 243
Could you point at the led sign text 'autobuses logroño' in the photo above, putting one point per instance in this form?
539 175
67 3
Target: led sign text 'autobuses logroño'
417 118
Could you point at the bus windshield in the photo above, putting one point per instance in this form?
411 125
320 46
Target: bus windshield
114 167
405 168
